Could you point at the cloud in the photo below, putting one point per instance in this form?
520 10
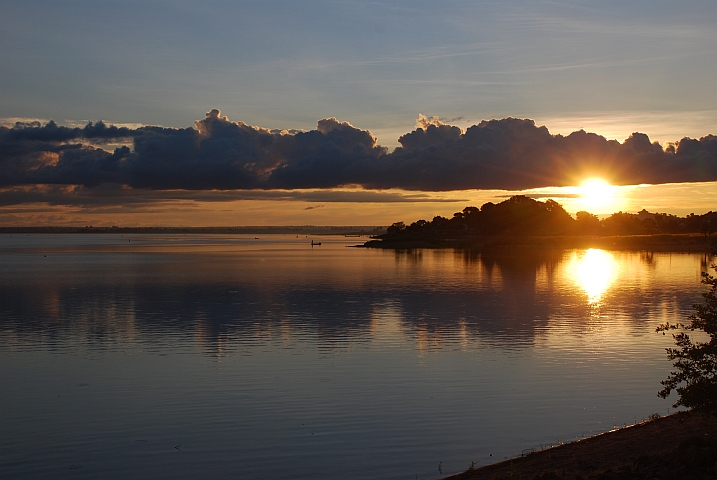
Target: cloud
114 194
451 120
217 154
544 195
516 154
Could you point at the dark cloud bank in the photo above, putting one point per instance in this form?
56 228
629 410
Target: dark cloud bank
218 154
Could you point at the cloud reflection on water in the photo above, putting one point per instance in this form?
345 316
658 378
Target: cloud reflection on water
240 350
226 300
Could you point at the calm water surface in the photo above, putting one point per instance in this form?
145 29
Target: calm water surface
189 356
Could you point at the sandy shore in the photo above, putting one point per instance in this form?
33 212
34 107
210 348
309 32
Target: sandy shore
679 446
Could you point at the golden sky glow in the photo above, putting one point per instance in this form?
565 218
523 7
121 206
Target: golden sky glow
678 199
594 67
673 198
596 193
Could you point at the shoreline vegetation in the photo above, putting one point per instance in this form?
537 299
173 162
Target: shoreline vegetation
525 222
679 446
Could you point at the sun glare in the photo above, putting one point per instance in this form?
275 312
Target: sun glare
594 272
596 193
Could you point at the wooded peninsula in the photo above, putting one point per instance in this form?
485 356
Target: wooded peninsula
521 220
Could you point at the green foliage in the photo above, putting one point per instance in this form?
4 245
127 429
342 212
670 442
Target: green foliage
695 375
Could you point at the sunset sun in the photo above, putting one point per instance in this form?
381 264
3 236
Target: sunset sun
342 239
596 193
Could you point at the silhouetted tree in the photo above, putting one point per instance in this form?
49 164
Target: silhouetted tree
706 227
695 375
439 222
586 223
667 223
649 226
621 223
396 228
417 227
522 215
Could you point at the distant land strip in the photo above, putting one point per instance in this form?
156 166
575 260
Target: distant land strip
254 230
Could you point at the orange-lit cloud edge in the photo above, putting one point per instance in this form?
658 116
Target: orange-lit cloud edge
328 206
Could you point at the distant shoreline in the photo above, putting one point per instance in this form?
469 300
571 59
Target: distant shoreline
361 230
680 445
687 242
660 242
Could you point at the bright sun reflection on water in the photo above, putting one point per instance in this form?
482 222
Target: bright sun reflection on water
594 271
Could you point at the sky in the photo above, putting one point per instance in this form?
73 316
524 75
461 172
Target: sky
350 112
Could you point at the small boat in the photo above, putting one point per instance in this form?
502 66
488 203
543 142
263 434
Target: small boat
315 243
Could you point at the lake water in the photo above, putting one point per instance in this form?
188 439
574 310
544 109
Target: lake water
201 356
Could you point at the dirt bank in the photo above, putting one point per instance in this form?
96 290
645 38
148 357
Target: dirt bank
680 446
